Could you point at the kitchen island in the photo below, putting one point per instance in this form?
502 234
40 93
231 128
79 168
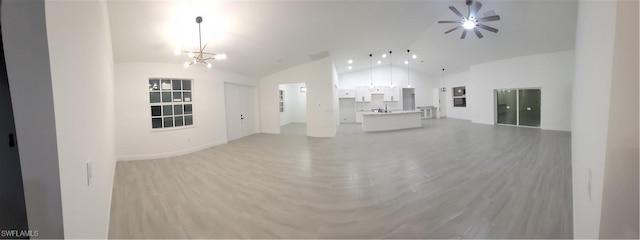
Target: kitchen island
381 121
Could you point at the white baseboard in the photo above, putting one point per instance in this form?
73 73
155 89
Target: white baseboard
170 154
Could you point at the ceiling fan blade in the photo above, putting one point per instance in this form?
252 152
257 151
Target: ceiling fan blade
453 29
478 33
448 21
455 10
489 18
475 8
464 34
485 27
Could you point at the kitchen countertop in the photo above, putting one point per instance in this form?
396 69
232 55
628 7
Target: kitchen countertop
389 113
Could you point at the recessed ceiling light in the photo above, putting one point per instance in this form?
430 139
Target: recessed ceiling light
379 62
350 67
414 56
350 61
384 55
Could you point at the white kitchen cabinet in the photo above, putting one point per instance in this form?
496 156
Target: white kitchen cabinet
363 94
347 93
391 94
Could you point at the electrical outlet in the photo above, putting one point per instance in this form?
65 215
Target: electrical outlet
89 172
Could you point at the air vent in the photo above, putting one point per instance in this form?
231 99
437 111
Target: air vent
319 55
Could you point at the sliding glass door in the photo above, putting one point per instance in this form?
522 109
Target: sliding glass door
507 107
529 107
520 107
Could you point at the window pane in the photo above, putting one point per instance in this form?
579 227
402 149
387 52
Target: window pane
154 85
529 107
166 97
166 84
188 120
186 96
188 109
186 84
156 122
167 110
154 97
177 85
177 109
177 96
155 111
179 121
507 109
168 122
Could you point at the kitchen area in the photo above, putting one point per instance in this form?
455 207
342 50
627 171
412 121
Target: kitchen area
381 108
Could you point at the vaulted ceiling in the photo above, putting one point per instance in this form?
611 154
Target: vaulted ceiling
263 37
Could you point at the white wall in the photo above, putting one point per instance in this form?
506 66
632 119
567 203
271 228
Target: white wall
295 104
551 72
592 87
134 137
320 106
422 82
82 76
26 49
606 70
449 82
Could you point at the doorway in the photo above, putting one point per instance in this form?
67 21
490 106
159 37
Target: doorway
240 110
292 100
408 99
12 205
442 103
518 107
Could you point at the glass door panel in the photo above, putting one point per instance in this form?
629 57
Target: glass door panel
529 101
507 107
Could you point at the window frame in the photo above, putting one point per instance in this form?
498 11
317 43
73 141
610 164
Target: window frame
155 85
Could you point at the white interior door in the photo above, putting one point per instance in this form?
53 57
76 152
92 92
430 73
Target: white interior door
239 103
231 98
247 110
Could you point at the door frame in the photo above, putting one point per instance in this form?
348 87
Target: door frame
495 106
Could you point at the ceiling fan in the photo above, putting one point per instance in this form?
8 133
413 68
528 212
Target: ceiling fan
472 21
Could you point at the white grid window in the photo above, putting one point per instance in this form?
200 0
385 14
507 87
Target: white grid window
171 102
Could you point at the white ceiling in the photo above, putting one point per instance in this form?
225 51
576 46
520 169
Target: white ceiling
263 37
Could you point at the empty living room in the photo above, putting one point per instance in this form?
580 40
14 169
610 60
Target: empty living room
312 119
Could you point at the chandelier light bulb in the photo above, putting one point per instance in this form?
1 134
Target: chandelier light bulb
384 55
208 65
408 85
468 24
191 54
350 61
379 62
186 64
350 67
414 56
406 62
177 51
221 56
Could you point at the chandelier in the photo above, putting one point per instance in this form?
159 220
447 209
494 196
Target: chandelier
200 56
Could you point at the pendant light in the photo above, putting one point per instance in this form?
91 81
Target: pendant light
391 68
407 62
371 69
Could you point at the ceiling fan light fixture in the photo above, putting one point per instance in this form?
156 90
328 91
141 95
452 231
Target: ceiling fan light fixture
469 24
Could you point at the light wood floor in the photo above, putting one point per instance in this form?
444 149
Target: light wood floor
449 179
